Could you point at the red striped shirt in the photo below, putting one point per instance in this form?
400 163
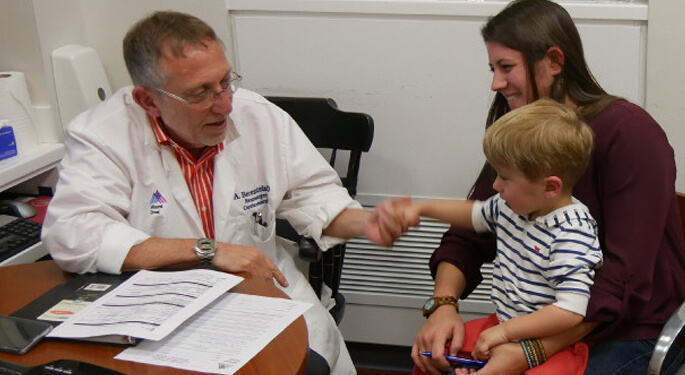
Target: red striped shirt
199 174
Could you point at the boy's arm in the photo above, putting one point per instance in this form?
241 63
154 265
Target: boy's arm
457 213
548 321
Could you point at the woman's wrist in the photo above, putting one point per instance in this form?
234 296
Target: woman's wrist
507 359
534 352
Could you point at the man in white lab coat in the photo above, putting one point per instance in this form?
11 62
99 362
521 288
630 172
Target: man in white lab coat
184 169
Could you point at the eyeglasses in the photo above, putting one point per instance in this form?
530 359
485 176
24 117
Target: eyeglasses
207 98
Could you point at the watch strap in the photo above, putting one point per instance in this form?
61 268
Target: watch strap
439 301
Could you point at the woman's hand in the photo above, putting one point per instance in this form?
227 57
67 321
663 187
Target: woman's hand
442 326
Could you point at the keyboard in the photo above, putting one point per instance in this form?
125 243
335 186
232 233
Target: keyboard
17 235
7 368
60 367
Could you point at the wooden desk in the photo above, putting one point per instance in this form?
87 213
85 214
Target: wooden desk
21 284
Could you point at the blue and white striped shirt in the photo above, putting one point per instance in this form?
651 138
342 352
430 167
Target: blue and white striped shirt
549 260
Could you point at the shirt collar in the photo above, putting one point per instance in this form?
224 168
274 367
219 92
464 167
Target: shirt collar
573 212
163 138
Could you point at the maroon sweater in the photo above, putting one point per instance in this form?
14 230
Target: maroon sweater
629 188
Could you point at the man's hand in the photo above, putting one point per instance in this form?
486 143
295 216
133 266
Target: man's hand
238 258
443 325
388 221
488 339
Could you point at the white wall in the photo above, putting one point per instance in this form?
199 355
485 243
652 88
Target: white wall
32 29
419 68
22 45
666 76
107 22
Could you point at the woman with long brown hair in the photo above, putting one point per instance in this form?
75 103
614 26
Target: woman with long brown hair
535 51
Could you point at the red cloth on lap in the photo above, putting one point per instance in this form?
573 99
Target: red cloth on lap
570 361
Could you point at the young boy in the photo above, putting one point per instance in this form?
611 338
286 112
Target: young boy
547 246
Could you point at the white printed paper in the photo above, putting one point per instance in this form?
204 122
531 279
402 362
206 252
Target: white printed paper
149 305
223 336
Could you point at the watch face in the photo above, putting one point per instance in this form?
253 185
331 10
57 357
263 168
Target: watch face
206 244
205 249
429 304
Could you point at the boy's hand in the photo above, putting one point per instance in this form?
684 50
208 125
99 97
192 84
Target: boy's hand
488 339
387 221
411 214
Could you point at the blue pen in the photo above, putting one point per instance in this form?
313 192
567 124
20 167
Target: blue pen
458 360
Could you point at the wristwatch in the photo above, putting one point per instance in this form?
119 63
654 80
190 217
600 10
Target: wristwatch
205 248
433 303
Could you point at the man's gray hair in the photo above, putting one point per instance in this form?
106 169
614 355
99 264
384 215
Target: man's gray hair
144 42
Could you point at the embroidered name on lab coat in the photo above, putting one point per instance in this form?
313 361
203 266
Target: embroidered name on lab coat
254 198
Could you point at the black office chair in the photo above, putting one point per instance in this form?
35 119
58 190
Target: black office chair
327 128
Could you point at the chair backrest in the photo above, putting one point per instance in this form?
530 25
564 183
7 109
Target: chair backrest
329 128
665 352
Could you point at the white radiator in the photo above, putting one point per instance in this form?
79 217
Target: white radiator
386 287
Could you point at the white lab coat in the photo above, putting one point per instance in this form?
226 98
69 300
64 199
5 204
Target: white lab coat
117 187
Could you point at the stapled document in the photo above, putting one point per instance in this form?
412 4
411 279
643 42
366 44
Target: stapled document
223 336
149 305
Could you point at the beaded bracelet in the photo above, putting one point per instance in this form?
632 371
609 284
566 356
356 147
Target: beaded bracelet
528 355
540 349
534 352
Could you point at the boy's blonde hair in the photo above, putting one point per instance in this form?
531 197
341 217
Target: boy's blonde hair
544 138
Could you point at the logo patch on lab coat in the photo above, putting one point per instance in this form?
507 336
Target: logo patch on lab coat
157 202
